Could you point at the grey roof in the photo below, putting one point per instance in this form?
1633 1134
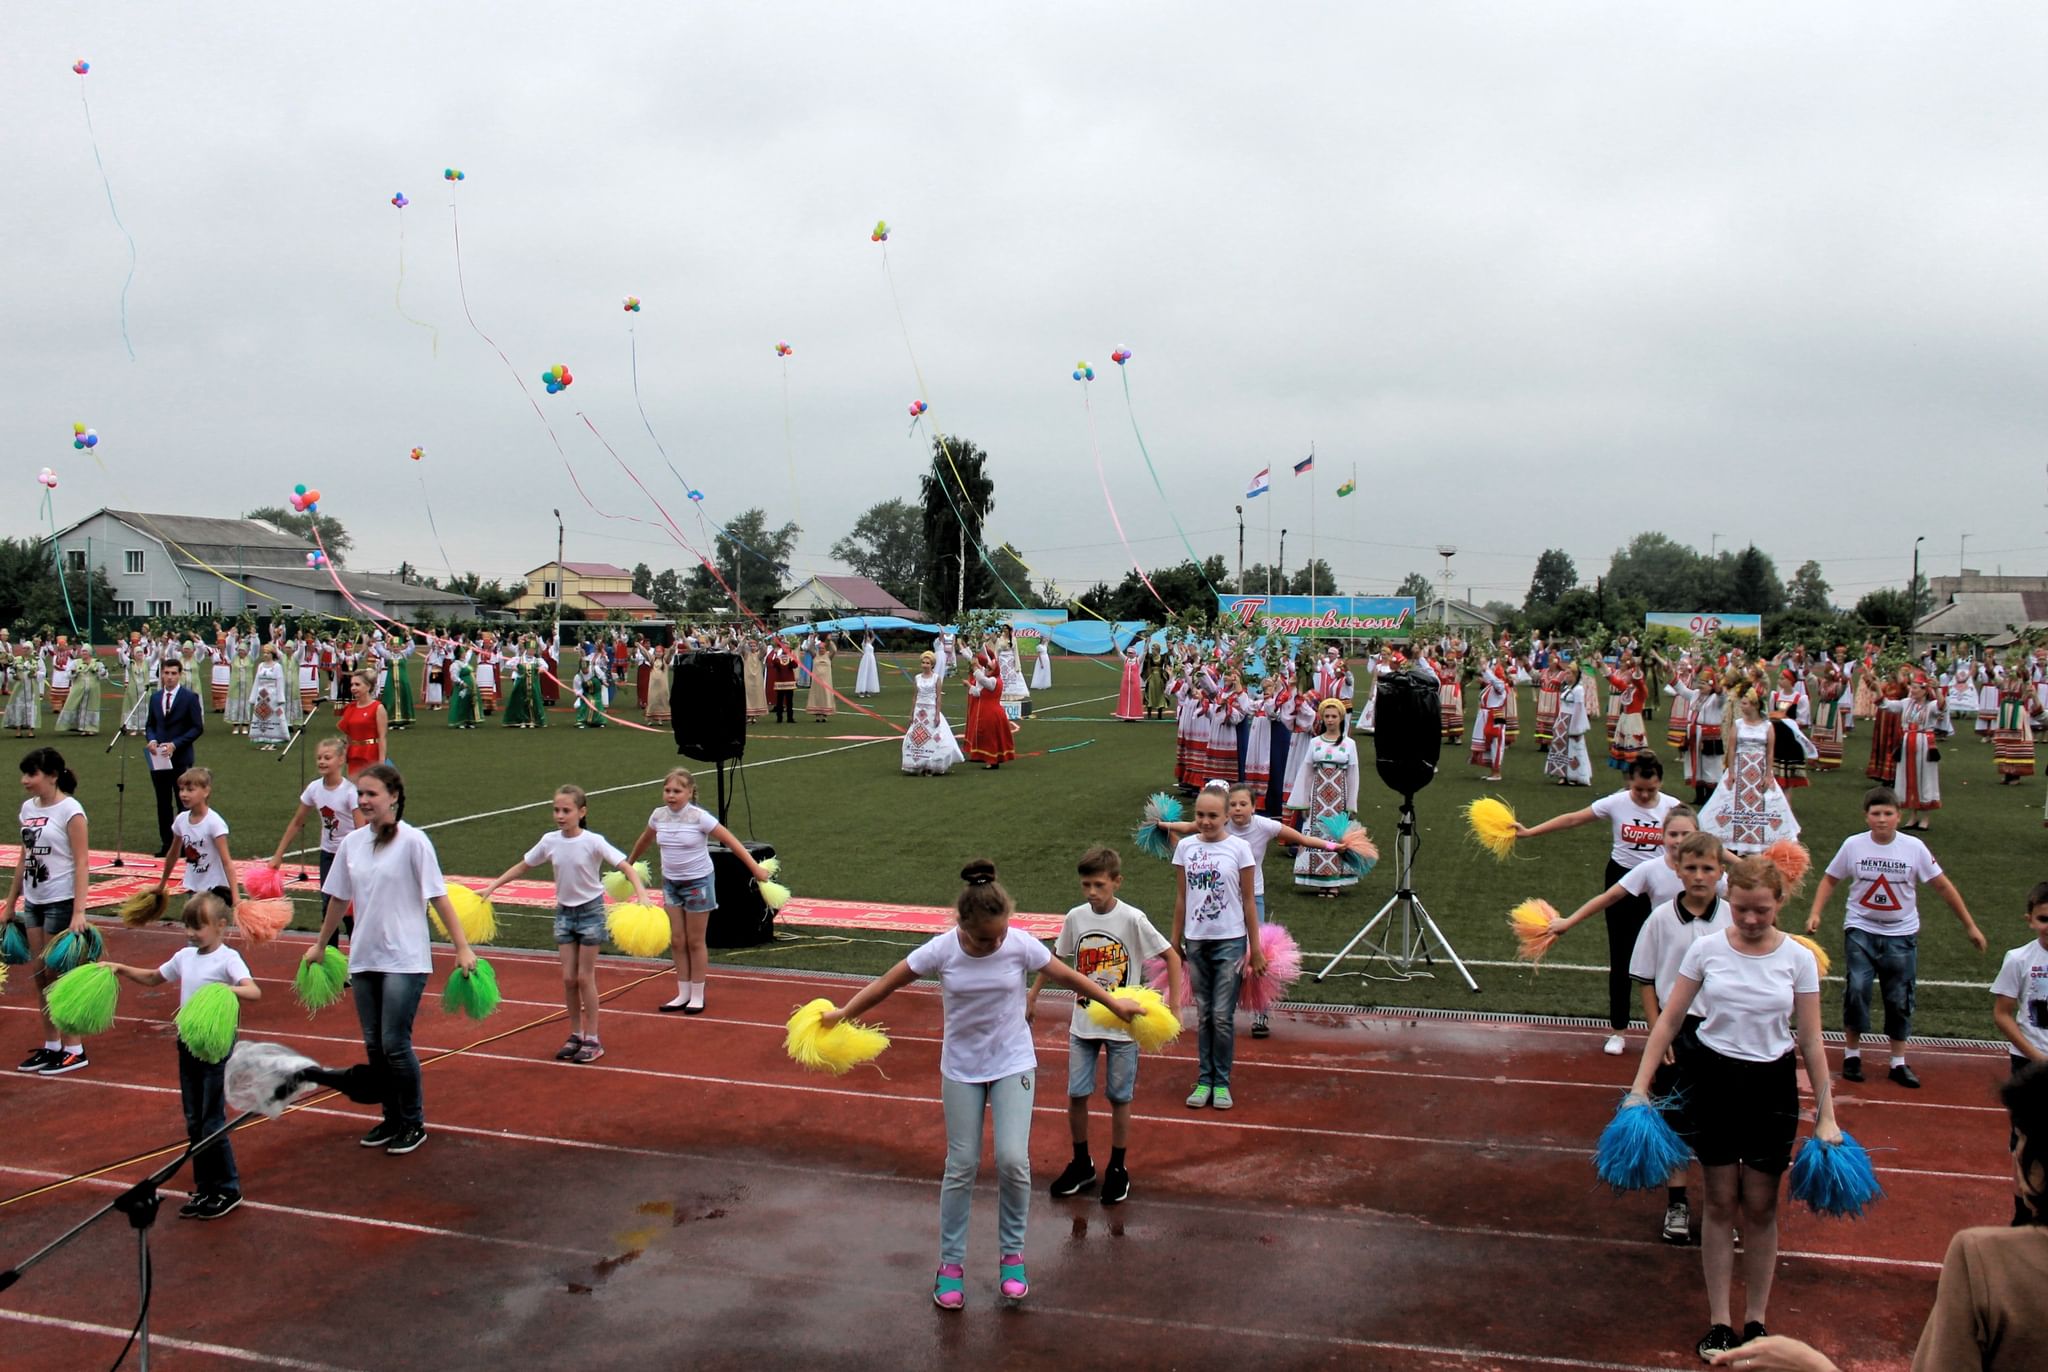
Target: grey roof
1983 614
388 589
227 543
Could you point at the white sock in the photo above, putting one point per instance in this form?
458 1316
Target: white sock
1898 1059
1848 1053
52 1046
79 1049
697 994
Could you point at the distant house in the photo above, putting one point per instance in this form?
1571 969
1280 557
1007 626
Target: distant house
831 597
161 565
1987 609
588 590
1452 614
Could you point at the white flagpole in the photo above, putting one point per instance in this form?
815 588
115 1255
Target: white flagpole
1312 527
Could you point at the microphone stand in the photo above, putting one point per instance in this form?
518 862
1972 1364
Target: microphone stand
121 783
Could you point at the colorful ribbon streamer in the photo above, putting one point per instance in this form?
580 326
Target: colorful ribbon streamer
109 187
1124 374
1103 478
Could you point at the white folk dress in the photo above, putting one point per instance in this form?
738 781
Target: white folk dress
1325 786
868 680
929 748
1748 811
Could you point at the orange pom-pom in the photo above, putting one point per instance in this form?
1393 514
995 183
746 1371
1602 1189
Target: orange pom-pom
1530 922
262 920
1791 859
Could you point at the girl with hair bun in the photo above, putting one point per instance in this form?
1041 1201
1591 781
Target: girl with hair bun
987 1064
49 883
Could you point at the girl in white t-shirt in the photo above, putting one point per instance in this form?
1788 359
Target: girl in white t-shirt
199 835
987 1064
688 888
1741 1084
579 856
331 796
50 878
1216 927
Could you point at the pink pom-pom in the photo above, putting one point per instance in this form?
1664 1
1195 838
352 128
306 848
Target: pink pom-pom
1791 859
261 920
1155 977
262 881
1262 991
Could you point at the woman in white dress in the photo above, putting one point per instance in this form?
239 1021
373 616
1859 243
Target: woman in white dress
1324 787
929 748
1041 668
266 703
1748 811
867 681
1567 763
1016 695
1924 724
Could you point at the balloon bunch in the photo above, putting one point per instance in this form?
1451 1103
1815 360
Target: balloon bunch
399 201
1083 372
557 377
783 350
82 437
305 500
316 559
451 173
697 496
1120 356
418 453
632 304
81 66
917 407
48 478
881 233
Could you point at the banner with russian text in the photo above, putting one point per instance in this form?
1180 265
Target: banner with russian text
1326 616
1706 625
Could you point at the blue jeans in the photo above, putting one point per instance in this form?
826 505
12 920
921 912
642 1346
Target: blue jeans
1009 1100
1215 969
386 1003
1892 961
203 1086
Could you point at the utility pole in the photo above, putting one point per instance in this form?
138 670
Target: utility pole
1240 550
1283 562
1913 594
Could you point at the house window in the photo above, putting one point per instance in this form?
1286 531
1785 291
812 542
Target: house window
159 609
550 589
125 608
74 559
203 607
131 562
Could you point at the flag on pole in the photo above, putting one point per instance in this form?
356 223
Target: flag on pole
1348 487
1306 465
1260 483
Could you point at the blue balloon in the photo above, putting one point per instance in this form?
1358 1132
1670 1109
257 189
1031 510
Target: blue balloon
92 440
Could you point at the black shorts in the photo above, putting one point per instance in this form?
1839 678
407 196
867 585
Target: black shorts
1670 1085
1742 1112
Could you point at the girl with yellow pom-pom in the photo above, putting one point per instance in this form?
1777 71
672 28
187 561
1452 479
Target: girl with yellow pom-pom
579 856
987 1064
683 833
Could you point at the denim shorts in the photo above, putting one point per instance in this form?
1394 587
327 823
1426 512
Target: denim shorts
53 918
580 923
1123 1068
692 895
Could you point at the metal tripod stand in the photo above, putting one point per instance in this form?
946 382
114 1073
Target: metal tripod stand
1411 936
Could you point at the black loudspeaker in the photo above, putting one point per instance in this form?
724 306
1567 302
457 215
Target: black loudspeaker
708 701
742 918
1408 731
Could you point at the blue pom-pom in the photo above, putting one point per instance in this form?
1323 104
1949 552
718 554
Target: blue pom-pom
1835 1179
71 950
1357 863
14 945
1151 835
1638 1150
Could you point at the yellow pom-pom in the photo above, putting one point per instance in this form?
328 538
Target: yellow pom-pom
641 931
1154 1026
1820 954
771 865
837 1050
1493 824
479 920
774 894
144 907
1530 922
618 888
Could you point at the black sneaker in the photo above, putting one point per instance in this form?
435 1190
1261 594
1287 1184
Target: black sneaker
1852 1069
1116 1186
70 1060
382 1135
1078 1177
1677 1223
1753 1331
1901 1074
36 1061
1719 1339
214 1206
190 1209
407 1140
1261 1029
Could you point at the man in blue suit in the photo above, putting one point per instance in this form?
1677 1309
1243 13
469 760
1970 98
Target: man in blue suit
175 722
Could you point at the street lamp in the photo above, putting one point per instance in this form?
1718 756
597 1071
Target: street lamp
1913 594
1240 550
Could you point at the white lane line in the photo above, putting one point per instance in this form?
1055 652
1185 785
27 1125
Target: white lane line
156 1340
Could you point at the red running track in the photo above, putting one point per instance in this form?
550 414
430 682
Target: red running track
1390 1193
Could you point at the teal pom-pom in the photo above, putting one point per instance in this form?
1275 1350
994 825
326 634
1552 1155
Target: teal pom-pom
14 944
474 994
82 1002
1835 1179
1151 835
72 950
318 984
1638 1150
207 1022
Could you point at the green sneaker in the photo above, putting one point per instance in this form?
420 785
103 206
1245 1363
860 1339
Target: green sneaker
1220 1098
1198 1098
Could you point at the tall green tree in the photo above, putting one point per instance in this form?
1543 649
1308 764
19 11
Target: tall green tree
643 579
1755 587
887 547
667 591
958 496
488 595
1555 574
1317 573
1809 590
1663 573
1417 585
753 559
332 536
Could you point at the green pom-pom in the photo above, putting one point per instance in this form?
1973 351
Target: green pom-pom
74 950
618 888
474 994
14 944
318 984
82 1002
207 1022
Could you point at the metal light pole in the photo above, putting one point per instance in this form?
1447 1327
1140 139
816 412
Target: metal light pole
561 575
1962 553
1913 594
1240 550
1283 562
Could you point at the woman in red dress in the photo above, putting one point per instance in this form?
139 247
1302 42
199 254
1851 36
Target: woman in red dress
364 724
990 738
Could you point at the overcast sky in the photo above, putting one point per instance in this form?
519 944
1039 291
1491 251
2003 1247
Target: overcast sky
1544 274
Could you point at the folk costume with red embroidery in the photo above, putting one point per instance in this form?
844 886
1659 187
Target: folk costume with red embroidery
1489 727
991 737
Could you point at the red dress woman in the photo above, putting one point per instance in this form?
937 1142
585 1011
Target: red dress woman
364 724
990 740
1130 697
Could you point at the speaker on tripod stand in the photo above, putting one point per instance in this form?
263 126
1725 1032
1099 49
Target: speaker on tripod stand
708 697
1407 742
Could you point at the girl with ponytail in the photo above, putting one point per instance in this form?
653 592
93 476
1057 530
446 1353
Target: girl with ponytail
49 883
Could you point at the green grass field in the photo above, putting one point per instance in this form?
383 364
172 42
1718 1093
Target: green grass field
849 825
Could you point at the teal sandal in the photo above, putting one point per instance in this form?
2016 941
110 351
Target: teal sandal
949 1288
1015 1286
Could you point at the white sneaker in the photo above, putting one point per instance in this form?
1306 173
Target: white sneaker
1615 1046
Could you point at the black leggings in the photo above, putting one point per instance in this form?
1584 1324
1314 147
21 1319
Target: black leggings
1625 919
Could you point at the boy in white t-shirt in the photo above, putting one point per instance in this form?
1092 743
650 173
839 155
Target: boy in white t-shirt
2019 1003
1881 932
206 958
1108 942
